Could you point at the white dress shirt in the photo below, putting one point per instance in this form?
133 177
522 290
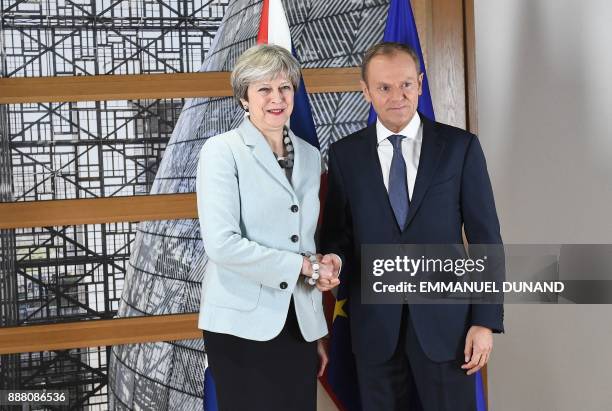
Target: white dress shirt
411 149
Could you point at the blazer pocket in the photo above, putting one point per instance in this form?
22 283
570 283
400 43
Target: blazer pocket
234 291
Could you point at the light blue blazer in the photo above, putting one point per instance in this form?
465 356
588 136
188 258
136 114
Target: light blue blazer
253 236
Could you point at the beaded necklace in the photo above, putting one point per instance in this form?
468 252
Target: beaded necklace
286 161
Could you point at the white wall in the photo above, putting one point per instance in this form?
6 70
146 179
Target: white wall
544 70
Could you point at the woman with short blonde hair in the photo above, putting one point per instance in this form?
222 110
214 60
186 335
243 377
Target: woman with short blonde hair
258 205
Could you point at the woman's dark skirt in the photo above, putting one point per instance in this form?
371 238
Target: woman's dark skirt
275 375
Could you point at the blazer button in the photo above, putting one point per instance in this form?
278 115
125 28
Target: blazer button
295 238
283 285
295 208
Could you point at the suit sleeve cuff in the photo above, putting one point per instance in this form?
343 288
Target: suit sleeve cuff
488 315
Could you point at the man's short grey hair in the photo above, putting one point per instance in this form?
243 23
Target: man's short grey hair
263 62
387 49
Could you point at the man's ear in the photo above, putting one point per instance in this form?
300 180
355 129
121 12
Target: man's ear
421 77
365 91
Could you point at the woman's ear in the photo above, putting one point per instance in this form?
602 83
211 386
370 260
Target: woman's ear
244 104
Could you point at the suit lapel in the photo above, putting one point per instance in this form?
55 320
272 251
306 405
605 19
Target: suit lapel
431 150
301 165
372 174
263 154
376 171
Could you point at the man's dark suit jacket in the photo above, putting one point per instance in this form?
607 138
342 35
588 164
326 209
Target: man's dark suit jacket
452 189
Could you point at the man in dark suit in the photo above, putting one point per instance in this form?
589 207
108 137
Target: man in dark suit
409 180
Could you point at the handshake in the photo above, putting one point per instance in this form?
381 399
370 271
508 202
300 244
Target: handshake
329 270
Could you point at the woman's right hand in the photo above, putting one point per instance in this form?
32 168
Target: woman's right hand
306 267
325 269
328 276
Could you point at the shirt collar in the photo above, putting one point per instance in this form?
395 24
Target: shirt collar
411 131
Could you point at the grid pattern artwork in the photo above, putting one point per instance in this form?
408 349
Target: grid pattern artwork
70 150
88 149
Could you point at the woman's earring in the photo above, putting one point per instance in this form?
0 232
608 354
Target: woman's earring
246 110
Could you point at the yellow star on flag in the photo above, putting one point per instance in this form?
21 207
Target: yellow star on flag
339 310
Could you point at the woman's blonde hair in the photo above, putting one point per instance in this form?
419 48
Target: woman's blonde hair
263 62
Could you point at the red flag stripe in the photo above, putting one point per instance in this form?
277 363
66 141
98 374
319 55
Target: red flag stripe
262 35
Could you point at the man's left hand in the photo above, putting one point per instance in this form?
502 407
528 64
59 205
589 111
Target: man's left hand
327 277
334 260
478 346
